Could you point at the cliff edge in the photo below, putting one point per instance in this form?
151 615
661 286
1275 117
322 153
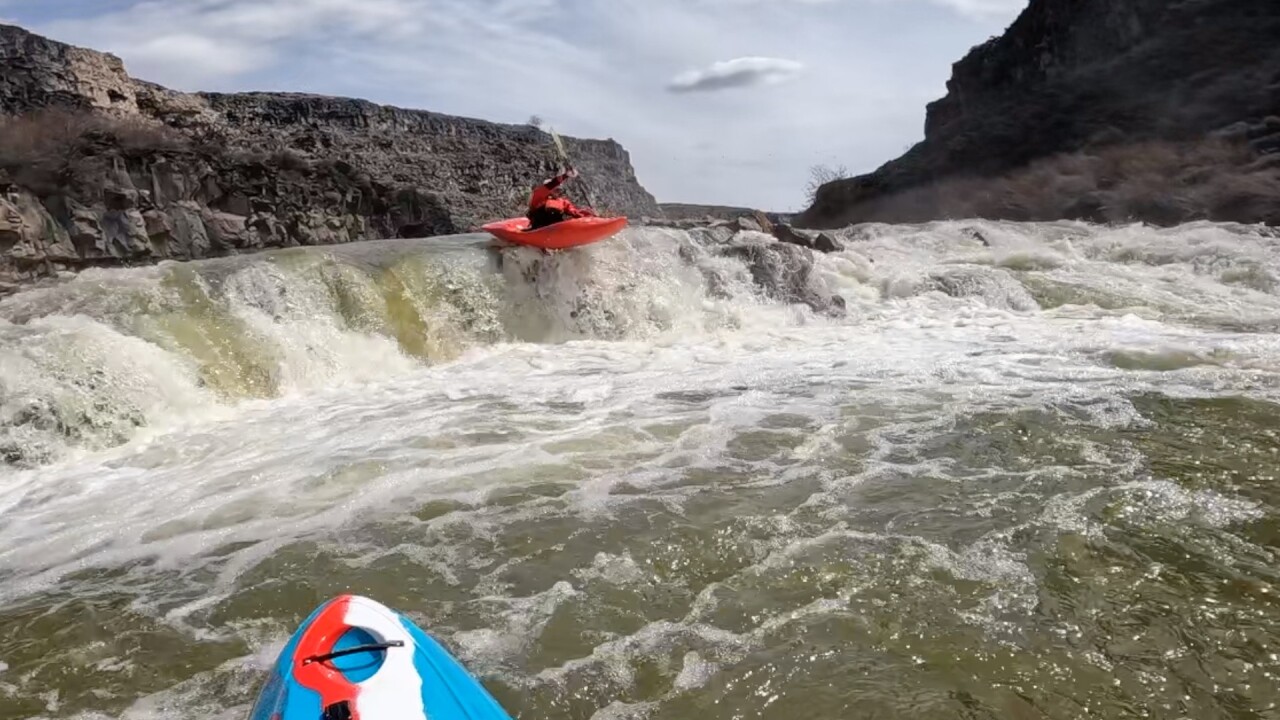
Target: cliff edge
100 169
1106 110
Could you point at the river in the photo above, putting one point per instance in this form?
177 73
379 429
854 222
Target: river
1030 471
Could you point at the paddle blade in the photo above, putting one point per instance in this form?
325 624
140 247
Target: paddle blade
559 144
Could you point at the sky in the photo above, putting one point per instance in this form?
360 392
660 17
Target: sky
717 101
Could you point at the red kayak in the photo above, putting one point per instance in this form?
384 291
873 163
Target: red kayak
562 235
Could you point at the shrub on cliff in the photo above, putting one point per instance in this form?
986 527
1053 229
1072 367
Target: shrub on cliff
50 150
820 175
1163 183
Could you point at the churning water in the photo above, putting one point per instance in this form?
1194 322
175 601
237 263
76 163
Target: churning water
961 470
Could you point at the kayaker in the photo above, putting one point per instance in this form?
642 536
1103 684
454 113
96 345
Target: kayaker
548 205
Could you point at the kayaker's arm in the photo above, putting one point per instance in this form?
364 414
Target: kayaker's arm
560 179
543 191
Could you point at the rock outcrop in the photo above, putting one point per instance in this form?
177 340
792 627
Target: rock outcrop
686 211
752 221
99 169
1157 110
783 272
36 72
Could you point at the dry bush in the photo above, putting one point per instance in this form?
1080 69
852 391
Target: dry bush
290 159
1252 197
50 149
1145 162
140 135
40 143
1163 183
820 175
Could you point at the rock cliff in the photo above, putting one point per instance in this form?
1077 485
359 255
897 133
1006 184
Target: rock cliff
97 168
1158 110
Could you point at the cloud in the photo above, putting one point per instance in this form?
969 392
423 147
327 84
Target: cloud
735 73
196 58
192 43
984 9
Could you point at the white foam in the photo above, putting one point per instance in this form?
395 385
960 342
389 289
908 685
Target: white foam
362 434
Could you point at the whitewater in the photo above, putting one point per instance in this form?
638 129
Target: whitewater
956 470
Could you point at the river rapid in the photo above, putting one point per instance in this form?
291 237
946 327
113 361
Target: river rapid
1027 470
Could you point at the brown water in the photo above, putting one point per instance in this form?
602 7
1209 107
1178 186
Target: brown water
945 506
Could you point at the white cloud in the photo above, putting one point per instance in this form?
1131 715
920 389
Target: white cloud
983 9
193 60
599 68
186 42
735 73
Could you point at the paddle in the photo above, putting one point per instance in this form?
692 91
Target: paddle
586 189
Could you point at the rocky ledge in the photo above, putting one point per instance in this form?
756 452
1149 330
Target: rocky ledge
779 257
687 211
721 227
1101 110
100 169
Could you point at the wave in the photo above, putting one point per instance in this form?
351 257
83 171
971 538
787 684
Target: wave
88 364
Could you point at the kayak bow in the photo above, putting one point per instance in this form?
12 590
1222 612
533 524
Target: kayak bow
356 659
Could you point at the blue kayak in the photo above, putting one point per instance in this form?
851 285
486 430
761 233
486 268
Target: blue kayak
356 658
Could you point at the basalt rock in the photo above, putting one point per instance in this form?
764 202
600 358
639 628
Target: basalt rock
712 213
820 241
784 272
104 169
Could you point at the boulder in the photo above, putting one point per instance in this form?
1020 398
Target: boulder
29 236
820 241
120 198
745 223
84 226
712 235
226 231
784 272
190 235
994 286
124 234
19 239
